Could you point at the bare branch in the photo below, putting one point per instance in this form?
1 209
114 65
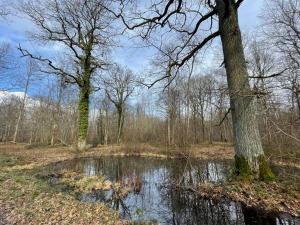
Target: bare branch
56 70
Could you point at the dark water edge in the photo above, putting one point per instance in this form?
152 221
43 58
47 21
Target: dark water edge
154 197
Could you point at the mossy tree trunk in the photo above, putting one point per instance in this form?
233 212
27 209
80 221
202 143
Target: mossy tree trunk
83 121
84 92
83 27
249 154
83 104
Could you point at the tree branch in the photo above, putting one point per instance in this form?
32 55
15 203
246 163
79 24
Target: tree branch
269 76
49 63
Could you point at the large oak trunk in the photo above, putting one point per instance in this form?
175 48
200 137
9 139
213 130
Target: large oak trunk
249 155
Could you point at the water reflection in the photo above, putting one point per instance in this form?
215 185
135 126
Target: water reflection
154 198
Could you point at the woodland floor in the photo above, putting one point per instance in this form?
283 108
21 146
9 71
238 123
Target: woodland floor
26 199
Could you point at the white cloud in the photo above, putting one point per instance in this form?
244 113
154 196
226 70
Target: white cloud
6 95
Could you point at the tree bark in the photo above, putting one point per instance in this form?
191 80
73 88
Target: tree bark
83 122
249 152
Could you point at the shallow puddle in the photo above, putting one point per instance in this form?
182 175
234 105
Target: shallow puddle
154 198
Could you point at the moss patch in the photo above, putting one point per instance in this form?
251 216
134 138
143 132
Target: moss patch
265 173
242 170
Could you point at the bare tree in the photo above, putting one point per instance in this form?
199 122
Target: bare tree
104 119
56 113
172 102
118 87
83 28
262 66
190 21
282 27
187 96
31 67
10 105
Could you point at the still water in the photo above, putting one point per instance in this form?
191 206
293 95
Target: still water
155 198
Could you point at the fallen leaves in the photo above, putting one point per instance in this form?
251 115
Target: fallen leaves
269 197
28 200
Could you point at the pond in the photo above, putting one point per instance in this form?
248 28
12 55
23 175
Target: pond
155 198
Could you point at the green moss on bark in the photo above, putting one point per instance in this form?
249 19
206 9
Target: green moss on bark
265 172
242 169
83 107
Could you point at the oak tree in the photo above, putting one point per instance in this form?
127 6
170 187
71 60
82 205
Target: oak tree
83 29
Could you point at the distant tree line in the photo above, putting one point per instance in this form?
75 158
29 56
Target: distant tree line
251 100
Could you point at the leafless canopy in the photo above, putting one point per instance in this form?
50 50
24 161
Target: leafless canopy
191 24
282 25
79 27
120 85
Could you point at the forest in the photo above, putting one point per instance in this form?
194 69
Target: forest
150 112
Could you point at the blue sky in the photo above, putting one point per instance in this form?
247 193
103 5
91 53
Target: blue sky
249 13
14 31
248 18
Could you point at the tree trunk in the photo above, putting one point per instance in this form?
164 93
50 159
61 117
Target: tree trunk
169 119
18 123
195 110
56 116
211 120
203 123
297 95
83 122
188 94
20 116
249 155
120 124
188 112
169 130
106 128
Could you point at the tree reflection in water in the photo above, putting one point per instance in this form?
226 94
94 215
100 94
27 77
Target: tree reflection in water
154 197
